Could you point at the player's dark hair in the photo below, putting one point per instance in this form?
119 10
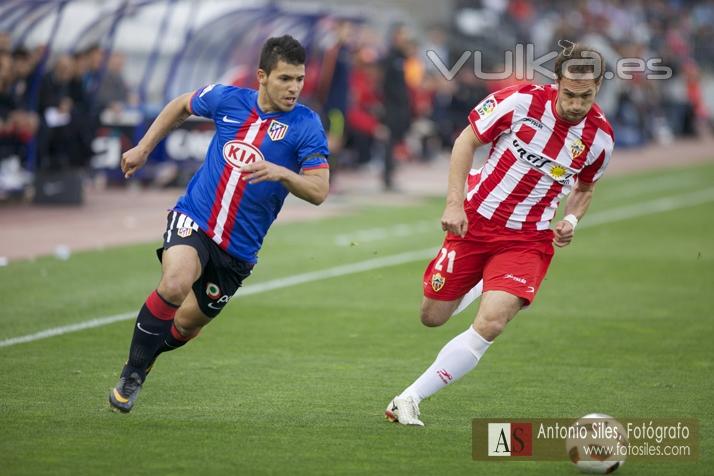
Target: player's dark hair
579 62
281 48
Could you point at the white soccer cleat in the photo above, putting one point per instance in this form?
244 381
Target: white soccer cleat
403 410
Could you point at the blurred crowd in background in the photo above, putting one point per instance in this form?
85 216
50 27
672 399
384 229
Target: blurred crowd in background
51 110
382 99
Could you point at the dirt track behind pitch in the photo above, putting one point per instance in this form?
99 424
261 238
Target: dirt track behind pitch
116 217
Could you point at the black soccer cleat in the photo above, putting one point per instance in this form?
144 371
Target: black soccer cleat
123 396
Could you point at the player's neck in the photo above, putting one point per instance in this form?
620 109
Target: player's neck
265 105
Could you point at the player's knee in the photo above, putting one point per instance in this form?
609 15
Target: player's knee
432 318
490 327
188 331
174 288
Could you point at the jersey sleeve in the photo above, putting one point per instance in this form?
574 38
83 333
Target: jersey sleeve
591 173
313 151
495 114
205 100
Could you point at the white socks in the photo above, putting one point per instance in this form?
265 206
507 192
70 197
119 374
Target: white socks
457 358
469 297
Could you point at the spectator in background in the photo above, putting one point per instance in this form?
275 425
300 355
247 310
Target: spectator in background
17 125
397 107
7 106
695 96
113 92
365 111
334 91
91 76
444 91
64 142
436 42
469 89
23 66
5 43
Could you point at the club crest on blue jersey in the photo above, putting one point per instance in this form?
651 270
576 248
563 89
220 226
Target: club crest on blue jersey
238 153
277 130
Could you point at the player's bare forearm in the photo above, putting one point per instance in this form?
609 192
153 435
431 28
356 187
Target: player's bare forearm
170 117
578 203
579 199
311 186
462 156
454 218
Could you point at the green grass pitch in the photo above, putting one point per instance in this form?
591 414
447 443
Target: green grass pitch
294 381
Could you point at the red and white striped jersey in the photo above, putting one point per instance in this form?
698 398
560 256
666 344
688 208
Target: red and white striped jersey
535 156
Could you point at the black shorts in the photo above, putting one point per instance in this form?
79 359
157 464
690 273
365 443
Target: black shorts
221 273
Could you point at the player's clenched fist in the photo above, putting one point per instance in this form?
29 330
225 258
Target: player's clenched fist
563 233
262 171
132 160
454 221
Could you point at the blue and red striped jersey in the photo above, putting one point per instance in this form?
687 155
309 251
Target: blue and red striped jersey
232 212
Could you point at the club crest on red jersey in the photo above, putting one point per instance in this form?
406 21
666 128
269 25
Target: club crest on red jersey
437 282
486 106
577 148
277 130
239 153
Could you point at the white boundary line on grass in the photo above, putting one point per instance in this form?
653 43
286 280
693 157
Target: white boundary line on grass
248 290
609 216
394 231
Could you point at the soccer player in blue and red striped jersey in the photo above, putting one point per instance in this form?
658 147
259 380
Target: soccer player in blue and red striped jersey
266 145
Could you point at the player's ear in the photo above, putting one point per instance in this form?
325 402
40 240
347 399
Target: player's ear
262 77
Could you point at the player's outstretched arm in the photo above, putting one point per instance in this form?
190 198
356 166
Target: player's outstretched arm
462 155
172 116
311 185
578 203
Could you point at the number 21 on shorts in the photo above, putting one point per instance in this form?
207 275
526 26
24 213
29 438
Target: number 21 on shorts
450 256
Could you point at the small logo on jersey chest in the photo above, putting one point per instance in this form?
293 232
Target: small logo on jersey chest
577 148
239 153
277 130
557 172
537 124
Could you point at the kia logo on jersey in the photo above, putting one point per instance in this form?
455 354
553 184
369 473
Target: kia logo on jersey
239 153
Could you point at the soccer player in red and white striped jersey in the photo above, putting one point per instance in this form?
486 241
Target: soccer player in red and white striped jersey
547 141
